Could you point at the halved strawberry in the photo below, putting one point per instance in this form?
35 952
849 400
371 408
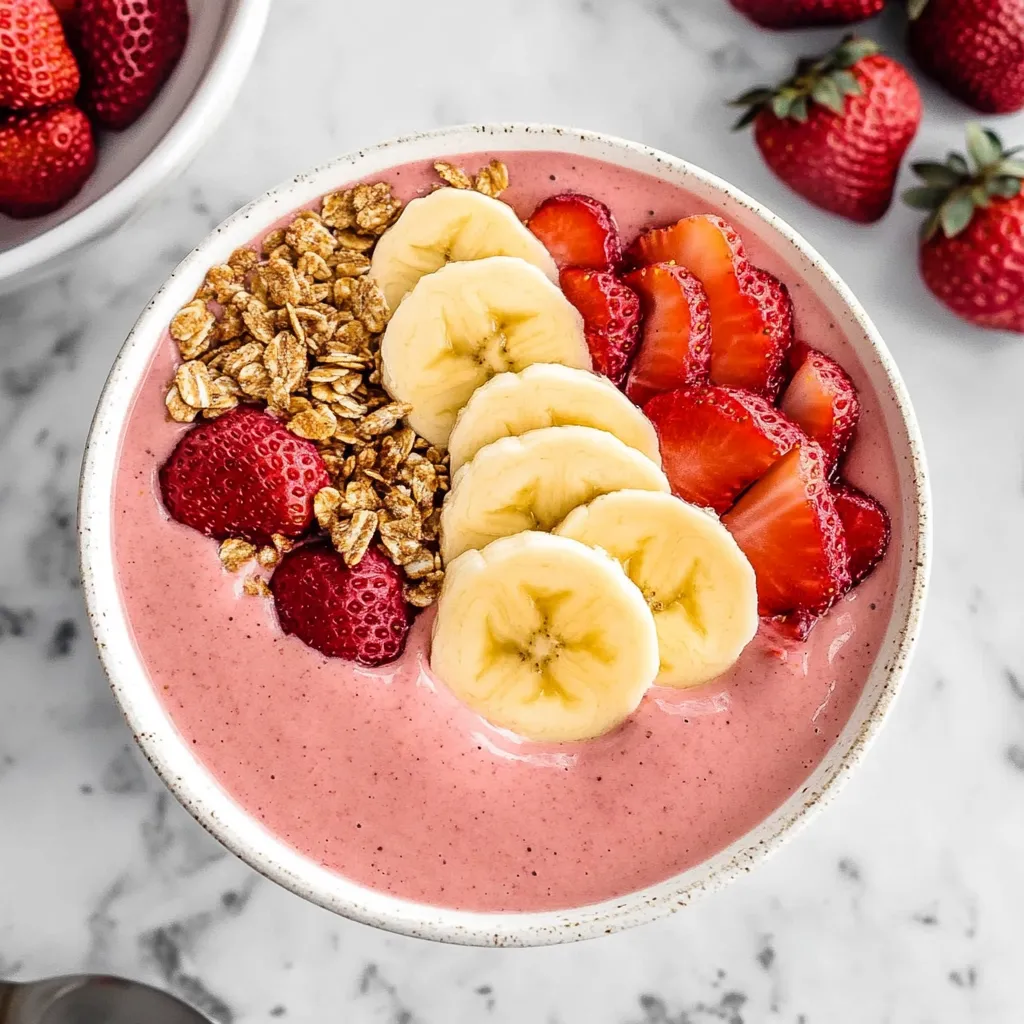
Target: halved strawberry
356 612
717 441
822 400
578 232
611 318
787 525
675 350
243 474
751 314
867 529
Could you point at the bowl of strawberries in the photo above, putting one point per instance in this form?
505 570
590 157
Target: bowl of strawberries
100 102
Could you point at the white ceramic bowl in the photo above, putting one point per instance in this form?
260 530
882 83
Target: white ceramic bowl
196 789
222 42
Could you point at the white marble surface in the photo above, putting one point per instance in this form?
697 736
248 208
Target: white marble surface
903 902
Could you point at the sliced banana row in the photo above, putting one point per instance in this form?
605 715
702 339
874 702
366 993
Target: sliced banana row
554 636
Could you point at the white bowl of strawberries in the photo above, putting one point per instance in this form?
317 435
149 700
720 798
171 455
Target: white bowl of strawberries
573 497
100 102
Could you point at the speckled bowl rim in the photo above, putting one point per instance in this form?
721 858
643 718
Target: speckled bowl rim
169 753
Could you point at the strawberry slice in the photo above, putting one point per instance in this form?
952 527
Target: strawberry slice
751 313
822 400
867 529
717 441
578 232
787 525
675 350
611 318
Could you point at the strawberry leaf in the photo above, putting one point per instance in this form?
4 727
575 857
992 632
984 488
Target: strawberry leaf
924 198
826 93
915 8
758 96
937 174
1011 168
798 111
1004 187
744 119
956 213
853 49
983 146
846 82
957 163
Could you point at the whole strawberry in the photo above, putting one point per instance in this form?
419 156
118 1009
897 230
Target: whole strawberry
972 48
805 13
243 475
129 49
45 157
356 613
836 131
37 69
972 244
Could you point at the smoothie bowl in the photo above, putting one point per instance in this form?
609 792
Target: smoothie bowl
504 534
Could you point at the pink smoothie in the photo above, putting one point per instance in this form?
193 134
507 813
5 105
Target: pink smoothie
382 776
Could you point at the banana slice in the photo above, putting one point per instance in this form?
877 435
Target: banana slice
448 225
697 582
548 395
466 322
544 636
532 482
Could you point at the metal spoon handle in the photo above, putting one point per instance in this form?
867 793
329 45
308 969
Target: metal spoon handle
27 1004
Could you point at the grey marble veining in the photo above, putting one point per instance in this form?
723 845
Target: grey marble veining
903 902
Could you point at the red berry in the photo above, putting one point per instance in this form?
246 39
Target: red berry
837 130
355 613
974 49
717 441
129 49
675 350
972 248
578 232
37 69
787 525
979 273
611 318
807 13
243 475
751 315
867 529
45 157
822 401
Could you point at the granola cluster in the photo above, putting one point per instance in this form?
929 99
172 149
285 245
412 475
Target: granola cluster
296 329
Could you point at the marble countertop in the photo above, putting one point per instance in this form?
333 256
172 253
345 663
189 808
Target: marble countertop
902 902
